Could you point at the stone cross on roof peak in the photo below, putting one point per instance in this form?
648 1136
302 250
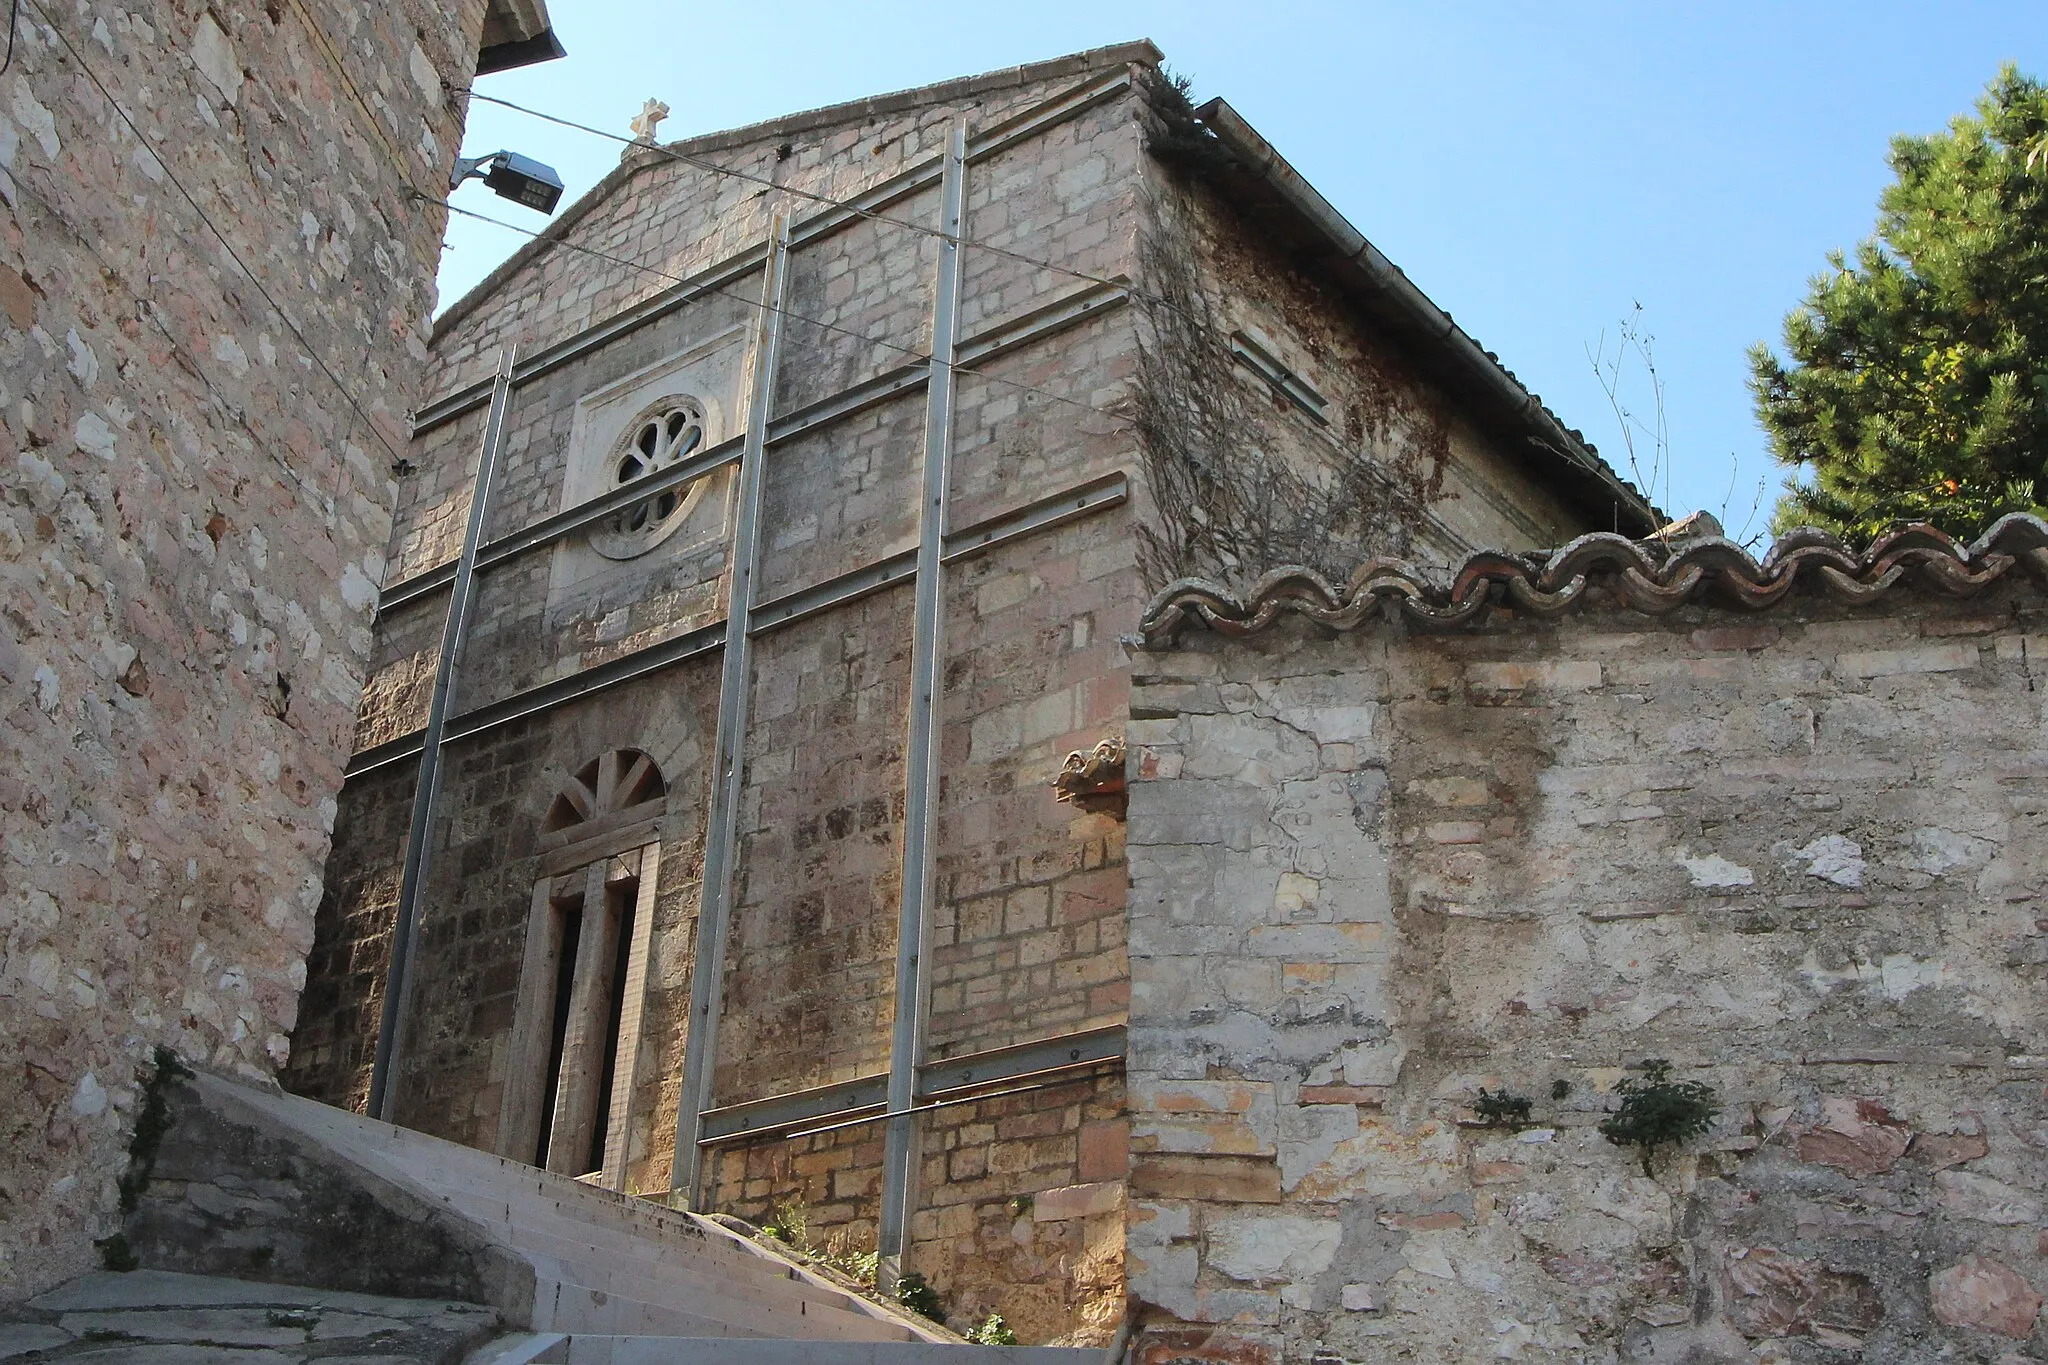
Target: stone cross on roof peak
648 119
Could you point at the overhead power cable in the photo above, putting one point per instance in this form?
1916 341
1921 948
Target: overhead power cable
911 351
171 175
716 168
827 200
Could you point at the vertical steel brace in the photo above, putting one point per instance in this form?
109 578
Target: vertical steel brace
427 789
921 755
721 835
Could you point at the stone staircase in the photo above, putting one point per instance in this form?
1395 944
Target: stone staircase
595 1277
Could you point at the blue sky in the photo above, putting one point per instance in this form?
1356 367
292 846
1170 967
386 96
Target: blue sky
1540 171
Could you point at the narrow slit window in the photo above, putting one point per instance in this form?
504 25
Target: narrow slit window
575 1043
567 928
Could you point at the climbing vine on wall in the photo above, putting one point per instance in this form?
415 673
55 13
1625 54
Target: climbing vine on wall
1241 483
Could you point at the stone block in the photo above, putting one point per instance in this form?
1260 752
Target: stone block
1772 1294
1981 1293
1205 1178
1881 663
1264 1247
1077 1201
1105 1150
1574 675
1982 1199
1372 1096
1859 1137
1329 943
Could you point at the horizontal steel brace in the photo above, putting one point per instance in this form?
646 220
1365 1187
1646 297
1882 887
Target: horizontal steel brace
798 1106
1002 1064
990 344
713 278
1079 501
975 1071
547 696
902 566
833 592
551 529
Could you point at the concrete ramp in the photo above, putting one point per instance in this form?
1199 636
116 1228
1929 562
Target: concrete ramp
262 1185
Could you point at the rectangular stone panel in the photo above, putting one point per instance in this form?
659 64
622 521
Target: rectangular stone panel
811 961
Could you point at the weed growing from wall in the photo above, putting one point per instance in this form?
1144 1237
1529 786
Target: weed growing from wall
1499 1109
152 1123
788 1225
919 1297
993 1332
1657 1111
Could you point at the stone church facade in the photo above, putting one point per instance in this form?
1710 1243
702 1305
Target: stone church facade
937 483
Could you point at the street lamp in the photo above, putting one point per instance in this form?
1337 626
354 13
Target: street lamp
512 176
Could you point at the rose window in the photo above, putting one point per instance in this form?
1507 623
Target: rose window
661 438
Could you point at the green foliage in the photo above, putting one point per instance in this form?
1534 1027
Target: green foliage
913 1293
993 1332
864 1266
1917 382
152 1122
788 1225
116 1254
1560 1089
1657 1111
1499 1109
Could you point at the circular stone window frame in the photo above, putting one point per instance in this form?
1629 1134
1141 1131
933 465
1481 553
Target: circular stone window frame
612 539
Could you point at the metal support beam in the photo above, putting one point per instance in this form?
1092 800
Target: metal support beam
721 835
427 786
867 1096
921 754
1111 490
991 343
1033 122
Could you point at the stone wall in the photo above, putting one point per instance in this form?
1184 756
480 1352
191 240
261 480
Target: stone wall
214 285
1798 855
1377 458
1023 1209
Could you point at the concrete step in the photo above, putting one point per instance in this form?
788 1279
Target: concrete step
563 1307
586 1349
638 1267
163 1316
606 1265
586 1308
510 1193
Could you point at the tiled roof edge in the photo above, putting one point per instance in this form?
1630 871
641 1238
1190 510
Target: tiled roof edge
1643 575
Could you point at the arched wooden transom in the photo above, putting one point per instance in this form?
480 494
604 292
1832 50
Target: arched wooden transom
614 788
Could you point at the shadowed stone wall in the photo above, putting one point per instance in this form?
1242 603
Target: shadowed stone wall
1797 854
198 434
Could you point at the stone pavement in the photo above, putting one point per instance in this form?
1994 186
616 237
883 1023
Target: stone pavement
151 1317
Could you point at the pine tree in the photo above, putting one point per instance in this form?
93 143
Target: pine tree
1917 388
